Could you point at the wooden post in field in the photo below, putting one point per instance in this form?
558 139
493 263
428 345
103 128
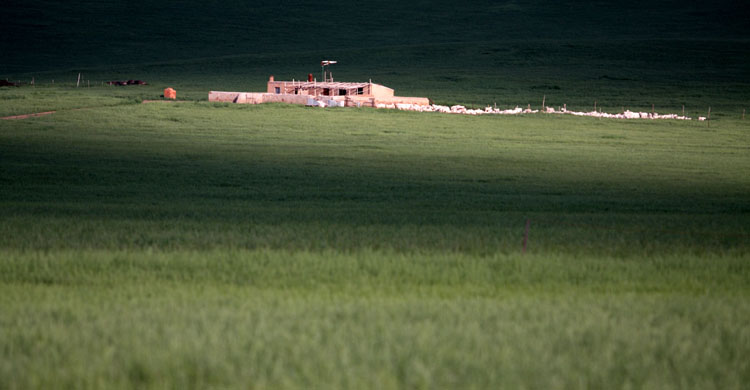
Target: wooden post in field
526 235
594 105
708 120
652 108
683 110
544 99
79 80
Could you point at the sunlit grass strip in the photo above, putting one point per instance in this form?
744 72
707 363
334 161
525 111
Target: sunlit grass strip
254 319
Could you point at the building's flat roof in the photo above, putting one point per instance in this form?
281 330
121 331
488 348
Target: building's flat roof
314 84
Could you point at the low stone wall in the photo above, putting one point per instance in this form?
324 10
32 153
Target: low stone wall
363 101
227 97
291 99
360 101
422 101
250 98
255 98
349 101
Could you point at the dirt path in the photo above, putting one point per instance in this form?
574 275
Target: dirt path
165 101
24 116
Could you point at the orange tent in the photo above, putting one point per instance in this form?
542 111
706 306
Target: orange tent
170 93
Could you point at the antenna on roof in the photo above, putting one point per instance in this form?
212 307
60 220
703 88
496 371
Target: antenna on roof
323 65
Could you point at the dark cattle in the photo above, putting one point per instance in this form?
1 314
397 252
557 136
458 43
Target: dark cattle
6 83
128 82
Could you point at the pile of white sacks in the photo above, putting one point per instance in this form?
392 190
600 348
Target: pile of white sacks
516 111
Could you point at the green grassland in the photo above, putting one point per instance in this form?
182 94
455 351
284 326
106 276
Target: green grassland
213 245
206 245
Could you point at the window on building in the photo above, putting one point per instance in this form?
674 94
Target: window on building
278 90
360 91
326 91
342 92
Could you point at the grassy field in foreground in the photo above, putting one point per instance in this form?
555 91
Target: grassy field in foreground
197 245
275 319
221 246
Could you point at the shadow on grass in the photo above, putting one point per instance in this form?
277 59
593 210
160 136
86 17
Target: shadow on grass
57 196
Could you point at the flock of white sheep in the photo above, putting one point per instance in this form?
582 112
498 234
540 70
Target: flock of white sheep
458 109
517 111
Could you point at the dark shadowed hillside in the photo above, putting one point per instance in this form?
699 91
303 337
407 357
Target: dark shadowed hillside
42 35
